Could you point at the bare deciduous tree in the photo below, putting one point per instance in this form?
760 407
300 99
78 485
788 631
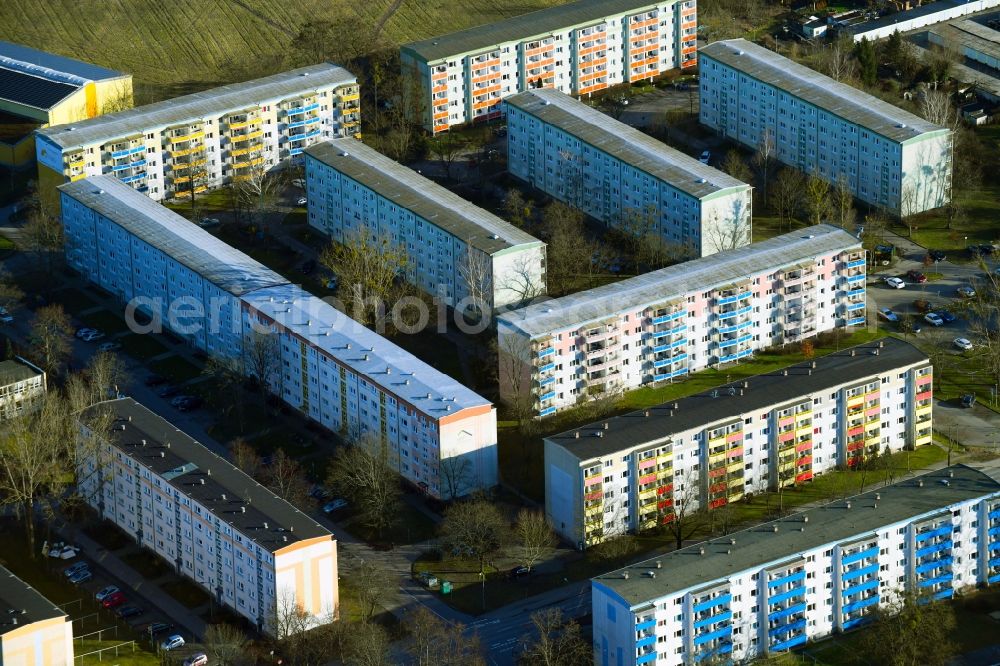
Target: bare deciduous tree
371 585
564 231
363 472
226 645
230 393
258 188
435 642
764 159
684 516
262 360
51 336
839 61
475 268
513 362
533 536
245 457
519 210
560 641
368 647
936 107
843 203
736 166
42 235
816 198
729 231
456 474
785 194
285 477
476 530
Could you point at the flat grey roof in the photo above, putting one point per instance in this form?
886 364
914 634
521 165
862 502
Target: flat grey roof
831 523
624 142
196 106
20 600
847 366
821 91
185 242
928 9
215 483
425 198
12 371
524 26
975 36
662 285
32 90
370 355
47 64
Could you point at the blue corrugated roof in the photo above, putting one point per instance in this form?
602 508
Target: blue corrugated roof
84 70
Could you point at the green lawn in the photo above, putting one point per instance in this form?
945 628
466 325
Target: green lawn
151 566
125 655
176 369
105 321
6 244
142 347
108 535
186 592
412 526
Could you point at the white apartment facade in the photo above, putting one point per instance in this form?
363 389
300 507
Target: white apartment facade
612 171
456 251
889 157
154 261
22 385
630 473
578 48
34 630
803 577
251 550
188 144
663 325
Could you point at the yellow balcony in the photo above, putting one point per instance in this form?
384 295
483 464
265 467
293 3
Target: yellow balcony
248 163
594 511
246 137
644 494
236 152
75 163
187 137
77 176
239 125
735 467
350 97
804 430
181 152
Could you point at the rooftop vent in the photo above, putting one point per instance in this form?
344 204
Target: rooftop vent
701 550
774 528
902 125
576 435
951 474
625 575
848 504
598 434
495 236
606 425
732 541
945 482
805 519
406 382
344 154
878 496
243 509
201 480
651 574
920 483
265 524
646 413
347 346
659 564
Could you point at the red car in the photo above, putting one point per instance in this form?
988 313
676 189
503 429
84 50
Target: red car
116 599
916 276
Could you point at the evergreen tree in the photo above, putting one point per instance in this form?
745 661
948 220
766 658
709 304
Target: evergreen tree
864 51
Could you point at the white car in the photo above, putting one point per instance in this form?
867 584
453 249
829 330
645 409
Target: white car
966 292
299 182
90 336
895 282
705 157
80 332
66 552
888 314
302 201
199 659
106 592
933 319
963 343
172 643
109 346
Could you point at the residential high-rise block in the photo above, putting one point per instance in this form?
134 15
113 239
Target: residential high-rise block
183 146
22 386
439 434
35 630
633 472
887 157
251 550
577 48
775 586
457 251
665 324
623 177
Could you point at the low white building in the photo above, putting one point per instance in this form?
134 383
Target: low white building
34 630
888 157
456 250
188 144
922 16
612 171
665 324
251 550
578 48
633 472
332 369
22 385
776 586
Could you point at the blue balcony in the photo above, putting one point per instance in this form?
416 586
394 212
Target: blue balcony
945 594
940 531
131 165
733 299
790 578
295 151
547 381
647 640
713 635
856 321
855 622
799 591
855 263
994 531
724 616
642 626
725 648
734 329
943 578
301 109
858 573
735 341
790 643
669 361
670 375
300 123
931 566
993 546
548 351
994 562
132 179
646 658
858 605
735 313
130 151
791 610
547 367
670 317
711 603
856 278
305 135
995 513
547 396
855 306
859 588
547 411
863 555
857 291
786 628
736 356
993 579
936 548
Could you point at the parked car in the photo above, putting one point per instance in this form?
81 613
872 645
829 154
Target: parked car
933 319
894 282
114 600
319 492
172 642
299 182
80 332
705 157
427 579
302 201
968 400
109 346
936 255
81 577
155 628
946 316
334 505
916 276
923 306
518 572
63 551
208 222
198 659
91 336
75 568
888 314
106 592
125 612
179 399
916 326
5 316
155 380
966 291
963 343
